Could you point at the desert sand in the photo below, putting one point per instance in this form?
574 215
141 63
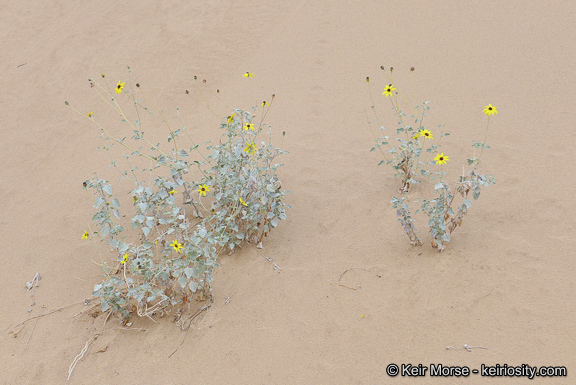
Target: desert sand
505 283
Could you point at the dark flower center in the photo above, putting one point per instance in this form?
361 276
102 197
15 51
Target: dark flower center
490 108
441 158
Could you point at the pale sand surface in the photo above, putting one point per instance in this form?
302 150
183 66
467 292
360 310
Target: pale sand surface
506 282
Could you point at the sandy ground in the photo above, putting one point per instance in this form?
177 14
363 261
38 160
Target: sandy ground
506 282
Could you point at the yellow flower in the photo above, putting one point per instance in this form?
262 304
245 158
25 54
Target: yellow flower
425 133
177 246
248 75
231 118
249 126
172 192
134 198
490 110
120 87
264 103
90 114
441 159
242 201
250 148
85 235
124 259
203 189
388 90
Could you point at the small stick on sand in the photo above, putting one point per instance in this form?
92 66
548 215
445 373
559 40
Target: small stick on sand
343 285
468 348
276 267
34 327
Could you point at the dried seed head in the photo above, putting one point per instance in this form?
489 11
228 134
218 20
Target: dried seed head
412 69
138 85
195 77
218 91
187 92
382 68
204 81
273 96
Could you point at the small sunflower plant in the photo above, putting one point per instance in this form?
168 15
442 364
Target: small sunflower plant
414 155
191 201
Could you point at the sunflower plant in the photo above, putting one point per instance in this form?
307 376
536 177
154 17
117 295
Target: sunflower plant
191 202
413 152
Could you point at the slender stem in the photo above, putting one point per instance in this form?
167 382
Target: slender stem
373 134
205 100
164 120
483 143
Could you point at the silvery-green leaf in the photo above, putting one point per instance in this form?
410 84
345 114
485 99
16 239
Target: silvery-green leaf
146 231
123 247
183 281
189 272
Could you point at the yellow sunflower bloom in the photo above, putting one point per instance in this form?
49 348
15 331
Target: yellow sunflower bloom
243 203
388 90
490 110
425 133
231 118
85 235
249 126
250 148
120 87
264 103
176 246
90 114
124 259
172 192
203 189
248 75
441 159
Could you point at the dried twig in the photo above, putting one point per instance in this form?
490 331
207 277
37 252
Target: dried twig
194 316
34 327
343 285
42 315
229 298
30 284
276 267
468 348
80 355
85 348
